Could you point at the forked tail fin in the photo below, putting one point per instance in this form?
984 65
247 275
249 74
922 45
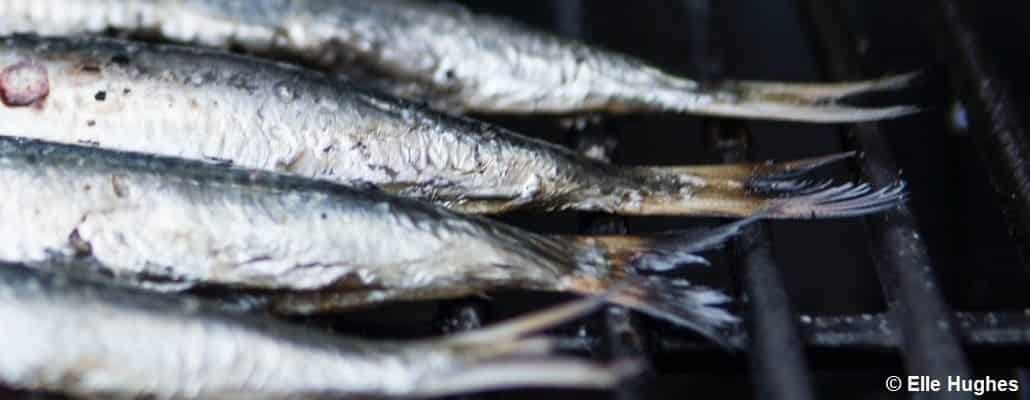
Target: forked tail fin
824 200
501 356
674 300
764 176
551 372
619 259
803 102
679 302
520 327
777 189
697 308
790 199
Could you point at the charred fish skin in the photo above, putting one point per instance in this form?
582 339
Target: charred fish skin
214 106
169 224
90 338
456 59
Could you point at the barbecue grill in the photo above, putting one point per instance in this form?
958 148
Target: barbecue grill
830 308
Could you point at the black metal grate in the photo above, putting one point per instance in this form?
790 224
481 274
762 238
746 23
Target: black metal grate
791 355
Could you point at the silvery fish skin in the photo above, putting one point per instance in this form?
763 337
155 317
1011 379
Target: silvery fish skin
459 61
169 224
203 104
84 337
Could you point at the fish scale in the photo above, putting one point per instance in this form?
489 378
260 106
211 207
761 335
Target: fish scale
275 121
77 335
455 60
303 246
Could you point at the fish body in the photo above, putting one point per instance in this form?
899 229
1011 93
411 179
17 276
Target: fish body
227 109
156 217
169 224
84 337
457 60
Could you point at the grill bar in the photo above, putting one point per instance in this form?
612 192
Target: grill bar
997 128
624 340
621 332
874 332
776 357
1023 375
930 345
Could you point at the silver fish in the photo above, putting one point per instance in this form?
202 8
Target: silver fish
169 224
84 337
457 60
204 104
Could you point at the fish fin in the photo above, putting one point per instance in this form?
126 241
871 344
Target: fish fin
518 327
674 300
765 176
788 199
829 113
817 92
740 190
697 308
551 372
498 357
805 102
662 251
823 200
677 301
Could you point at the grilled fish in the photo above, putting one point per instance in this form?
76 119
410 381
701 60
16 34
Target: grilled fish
228 109
80 336
170 224
457 60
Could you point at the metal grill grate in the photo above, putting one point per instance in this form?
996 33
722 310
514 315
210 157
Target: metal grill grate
790 352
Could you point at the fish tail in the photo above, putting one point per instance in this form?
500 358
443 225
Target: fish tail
825 200
774 190
808 200
754 176
520 327
551 372
500 356
805 102
675 300
695 307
